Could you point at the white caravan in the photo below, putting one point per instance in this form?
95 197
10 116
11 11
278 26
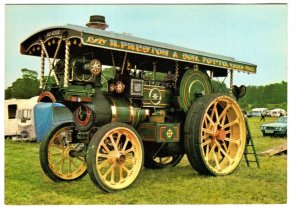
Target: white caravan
256 112
11 108
25 120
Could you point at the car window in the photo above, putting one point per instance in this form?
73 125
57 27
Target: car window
282 120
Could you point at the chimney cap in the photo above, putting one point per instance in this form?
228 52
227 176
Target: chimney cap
97 21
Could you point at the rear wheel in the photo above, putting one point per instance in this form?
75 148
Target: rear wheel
158 159
215 135
115 156
57 155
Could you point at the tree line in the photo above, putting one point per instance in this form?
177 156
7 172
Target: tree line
25 87
268 96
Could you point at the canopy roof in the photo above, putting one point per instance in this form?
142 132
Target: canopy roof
125 43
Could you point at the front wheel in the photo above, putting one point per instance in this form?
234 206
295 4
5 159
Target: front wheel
215 135
57 155
115 156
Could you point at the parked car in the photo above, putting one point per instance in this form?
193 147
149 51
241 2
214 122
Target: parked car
279 127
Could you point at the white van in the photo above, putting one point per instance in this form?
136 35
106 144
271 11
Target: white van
277 112
256 112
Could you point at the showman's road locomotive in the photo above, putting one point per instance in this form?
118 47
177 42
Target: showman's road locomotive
158 106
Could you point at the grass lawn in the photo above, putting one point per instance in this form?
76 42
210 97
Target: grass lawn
26 184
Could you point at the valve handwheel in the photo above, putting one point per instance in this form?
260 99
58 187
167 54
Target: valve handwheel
120 87
95 67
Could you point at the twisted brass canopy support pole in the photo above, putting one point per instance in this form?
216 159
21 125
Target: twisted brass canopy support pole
42 69
231 81
51 65
67 61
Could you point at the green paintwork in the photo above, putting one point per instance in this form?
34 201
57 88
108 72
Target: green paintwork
122 110
160 132
157 96
126 113
81 91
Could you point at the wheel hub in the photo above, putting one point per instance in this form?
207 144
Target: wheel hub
221 134
67 152
218 133
117 157
121 159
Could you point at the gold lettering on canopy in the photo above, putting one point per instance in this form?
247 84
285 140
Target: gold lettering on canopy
175 55
156 51
212 61
96 41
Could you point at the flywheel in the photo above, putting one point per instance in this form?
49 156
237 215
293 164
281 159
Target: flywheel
194 83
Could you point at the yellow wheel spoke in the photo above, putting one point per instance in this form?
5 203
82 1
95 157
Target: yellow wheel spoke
235 141
216 161
121 172
211 150
205 123
103 155
59 146
205 137
215 112
236 121
226 155
224 146
62 164
125 144
207 131
210 120
81 159
118 140
207 151
72 161
102 164
58 161
222 116
109 171
127 151
69 169
219 154
228 131
56 154
113 142
112 177
125 168
206 142
105 147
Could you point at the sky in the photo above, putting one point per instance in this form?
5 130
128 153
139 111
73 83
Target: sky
252 33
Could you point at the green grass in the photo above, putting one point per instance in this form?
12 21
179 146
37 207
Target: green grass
26 184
